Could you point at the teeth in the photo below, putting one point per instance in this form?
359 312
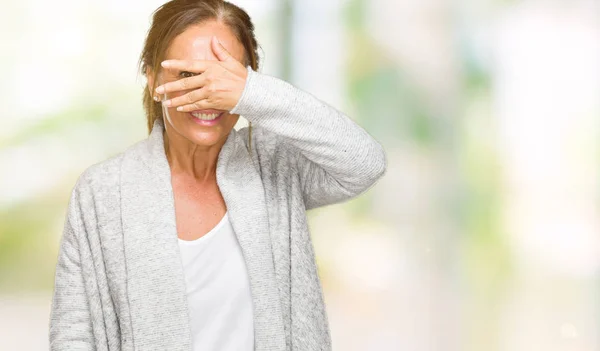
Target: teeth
204 116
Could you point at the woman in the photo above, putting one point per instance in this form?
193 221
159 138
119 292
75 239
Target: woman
197 237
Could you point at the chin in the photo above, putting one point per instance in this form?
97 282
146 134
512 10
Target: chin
209 135
205 138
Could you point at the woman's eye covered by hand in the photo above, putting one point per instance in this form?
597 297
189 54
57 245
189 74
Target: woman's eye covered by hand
186 74
216 84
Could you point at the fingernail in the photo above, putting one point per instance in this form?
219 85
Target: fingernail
167 103
180 108
156 98
165 63
160 90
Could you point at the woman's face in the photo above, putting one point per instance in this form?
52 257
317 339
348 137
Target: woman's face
194 44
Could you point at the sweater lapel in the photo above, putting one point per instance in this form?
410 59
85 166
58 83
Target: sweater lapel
155 277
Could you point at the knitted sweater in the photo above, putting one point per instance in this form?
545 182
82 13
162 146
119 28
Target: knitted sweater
119 281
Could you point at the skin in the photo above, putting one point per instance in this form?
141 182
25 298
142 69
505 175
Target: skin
203 71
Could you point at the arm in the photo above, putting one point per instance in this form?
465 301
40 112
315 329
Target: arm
70 324
335 157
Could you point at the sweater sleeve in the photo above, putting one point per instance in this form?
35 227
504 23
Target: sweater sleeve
70 322
336 159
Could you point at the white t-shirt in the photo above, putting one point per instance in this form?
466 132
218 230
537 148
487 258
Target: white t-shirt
218 291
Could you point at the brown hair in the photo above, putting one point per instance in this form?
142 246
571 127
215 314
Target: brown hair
172 19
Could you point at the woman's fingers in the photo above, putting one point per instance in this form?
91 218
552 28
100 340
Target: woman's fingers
198 105
220 51
218 85
187 99
195 66
182 84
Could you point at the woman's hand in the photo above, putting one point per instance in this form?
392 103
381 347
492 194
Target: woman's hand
219 85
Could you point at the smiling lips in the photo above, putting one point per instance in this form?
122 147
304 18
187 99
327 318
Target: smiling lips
206 115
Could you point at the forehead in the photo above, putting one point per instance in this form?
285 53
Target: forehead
194 42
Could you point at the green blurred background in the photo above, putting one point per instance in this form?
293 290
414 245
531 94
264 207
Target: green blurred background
484 233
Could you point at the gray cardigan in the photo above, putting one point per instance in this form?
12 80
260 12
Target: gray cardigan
119 281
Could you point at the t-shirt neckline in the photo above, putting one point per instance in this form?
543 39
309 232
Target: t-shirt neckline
207 235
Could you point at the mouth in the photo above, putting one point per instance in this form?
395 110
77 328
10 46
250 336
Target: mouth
206 117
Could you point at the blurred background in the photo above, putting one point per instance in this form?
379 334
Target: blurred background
484 234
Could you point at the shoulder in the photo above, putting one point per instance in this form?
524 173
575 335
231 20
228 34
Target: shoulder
104 170
97 180
104 175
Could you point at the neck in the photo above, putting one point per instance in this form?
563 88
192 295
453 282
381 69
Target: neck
191 160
